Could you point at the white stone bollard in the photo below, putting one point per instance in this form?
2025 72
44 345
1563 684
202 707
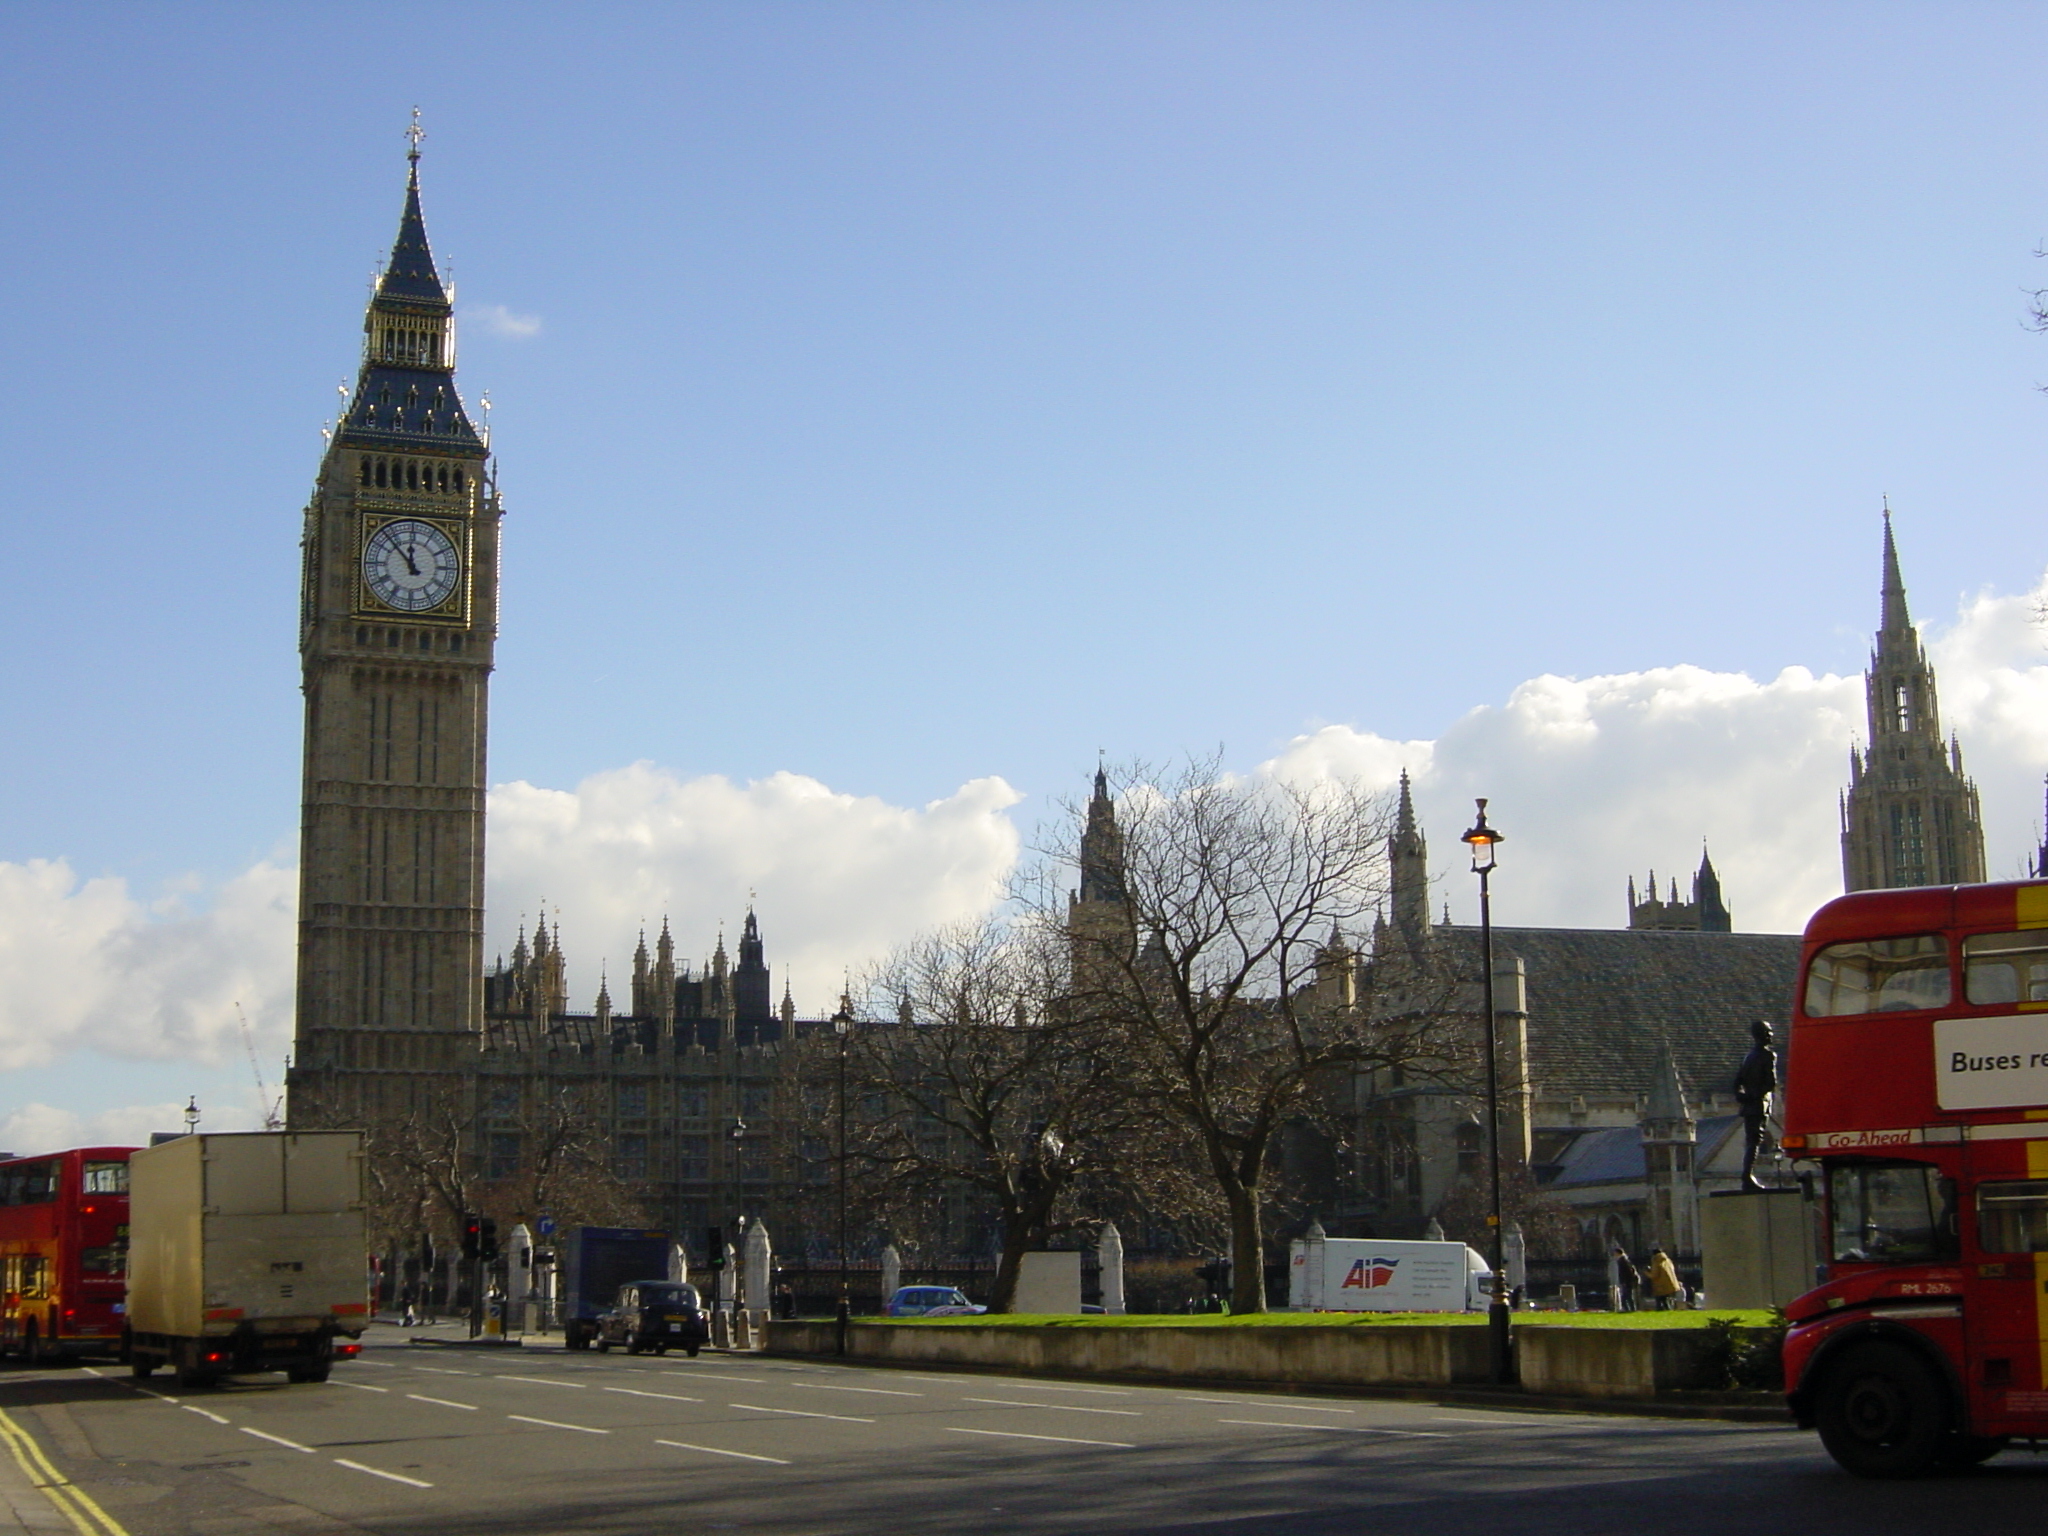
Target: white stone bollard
1109 1251
754 1295
892 1272
518 1278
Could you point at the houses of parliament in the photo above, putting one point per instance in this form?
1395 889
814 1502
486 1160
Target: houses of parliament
400 1020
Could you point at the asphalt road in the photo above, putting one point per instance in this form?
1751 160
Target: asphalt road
538 1440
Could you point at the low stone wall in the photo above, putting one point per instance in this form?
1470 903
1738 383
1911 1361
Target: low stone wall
1613 1362
1554 1360
1356 1355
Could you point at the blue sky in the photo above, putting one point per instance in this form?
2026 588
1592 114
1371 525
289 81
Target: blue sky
898 398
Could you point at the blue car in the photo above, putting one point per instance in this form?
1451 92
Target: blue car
931 1301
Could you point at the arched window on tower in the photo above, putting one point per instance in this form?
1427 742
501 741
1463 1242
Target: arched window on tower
1902 707
1471 1144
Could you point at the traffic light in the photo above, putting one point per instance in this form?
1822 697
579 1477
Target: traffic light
472 1237
487 1238
714 1244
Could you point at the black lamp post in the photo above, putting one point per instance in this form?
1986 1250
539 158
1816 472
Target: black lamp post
1482 840
842 1026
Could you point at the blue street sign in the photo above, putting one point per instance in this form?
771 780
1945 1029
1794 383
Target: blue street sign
545 1226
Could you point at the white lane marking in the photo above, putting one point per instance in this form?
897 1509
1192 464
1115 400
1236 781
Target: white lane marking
396 1477
290 1445
94 1371
542 1381
826 1386
382 1365
712 1450
1006 1434
798 1413
1005 1402
557 1424
436 1370
1450 1418
1026 1386
359 1386
673 1397
1296 1408
441 1402
752 1381
202 1413
159 1396
1346 1429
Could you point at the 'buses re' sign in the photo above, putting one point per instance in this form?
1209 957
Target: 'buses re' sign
1991 1063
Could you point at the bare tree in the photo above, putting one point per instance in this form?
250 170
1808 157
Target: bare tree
564 1167
992 1086
1208 952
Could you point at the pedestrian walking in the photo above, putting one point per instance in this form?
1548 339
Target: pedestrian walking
1626 1278
1664 1284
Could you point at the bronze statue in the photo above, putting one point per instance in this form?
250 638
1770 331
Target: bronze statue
1756 1084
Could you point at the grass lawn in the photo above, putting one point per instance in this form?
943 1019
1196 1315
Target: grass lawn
1345 1320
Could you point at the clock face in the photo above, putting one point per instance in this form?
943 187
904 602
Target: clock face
410 565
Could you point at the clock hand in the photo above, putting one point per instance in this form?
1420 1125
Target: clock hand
406 550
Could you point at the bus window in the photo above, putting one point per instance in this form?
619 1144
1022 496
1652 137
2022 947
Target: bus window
105 1179
1891 1213
29 1183
2013 1218
2006 967
111 1260
1878 976
35 1277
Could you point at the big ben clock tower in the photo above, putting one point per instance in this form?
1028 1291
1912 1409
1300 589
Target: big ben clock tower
397 622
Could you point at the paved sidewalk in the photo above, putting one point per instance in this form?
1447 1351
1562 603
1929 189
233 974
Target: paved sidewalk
34 1495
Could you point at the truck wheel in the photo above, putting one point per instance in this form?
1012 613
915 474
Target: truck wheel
691 1350
141 1367
318 1371
633 1346
192 1376
1883 1412
604 1345
575 1339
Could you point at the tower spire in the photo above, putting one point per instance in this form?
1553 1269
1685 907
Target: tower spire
1895 618
1910 817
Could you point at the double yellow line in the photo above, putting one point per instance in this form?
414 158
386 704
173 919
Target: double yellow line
72 1501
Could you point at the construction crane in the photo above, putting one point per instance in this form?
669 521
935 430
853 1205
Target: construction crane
273 1117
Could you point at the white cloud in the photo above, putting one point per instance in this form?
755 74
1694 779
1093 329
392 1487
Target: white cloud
1599 778
839 878
1592 779
500 321
44 1128
85 965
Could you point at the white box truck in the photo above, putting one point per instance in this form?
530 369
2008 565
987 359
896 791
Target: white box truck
1343 1274
246 1252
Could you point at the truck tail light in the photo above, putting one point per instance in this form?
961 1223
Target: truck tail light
215 1356
347 1351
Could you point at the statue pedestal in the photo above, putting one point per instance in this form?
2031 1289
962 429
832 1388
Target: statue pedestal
1757 1247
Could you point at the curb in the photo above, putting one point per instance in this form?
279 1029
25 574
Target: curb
1737 1407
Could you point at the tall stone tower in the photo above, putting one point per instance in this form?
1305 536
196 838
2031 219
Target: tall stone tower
1670 1143
1100 934
1909 816
398 619
1408 871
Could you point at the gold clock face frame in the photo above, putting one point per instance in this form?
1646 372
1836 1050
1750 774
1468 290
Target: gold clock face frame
413 567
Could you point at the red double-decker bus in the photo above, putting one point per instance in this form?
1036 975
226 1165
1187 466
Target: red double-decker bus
63 1252
1917 1077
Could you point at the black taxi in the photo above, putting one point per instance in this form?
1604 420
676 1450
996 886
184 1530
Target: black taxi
660 1315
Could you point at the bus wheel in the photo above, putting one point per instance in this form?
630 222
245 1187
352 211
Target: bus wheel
1970 1450
1883 1412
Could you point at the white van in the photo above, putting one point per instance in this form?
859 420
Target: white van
1347 1274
